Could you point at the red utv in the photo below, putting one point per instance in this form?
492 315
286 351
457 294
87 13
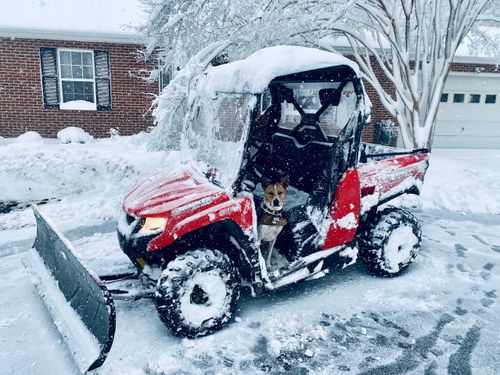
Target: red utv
191 230
303 118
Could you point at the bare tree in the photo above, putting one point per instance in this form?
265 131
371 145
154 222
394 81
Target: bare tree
411 42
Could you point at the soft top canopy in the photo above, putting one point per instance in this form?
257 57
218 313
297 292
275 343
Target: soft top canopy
253 74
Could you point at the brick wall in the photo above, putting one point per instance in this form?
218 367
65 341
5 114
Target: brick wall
378 110
21 98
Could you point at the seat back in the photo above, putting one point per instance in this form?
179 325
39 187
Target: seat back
306 165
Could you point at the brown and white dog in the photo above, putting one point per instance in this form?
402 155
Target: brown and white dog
270 220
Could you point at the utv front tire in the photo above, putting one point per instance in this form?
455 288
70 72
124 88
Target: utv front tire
390 242
197 293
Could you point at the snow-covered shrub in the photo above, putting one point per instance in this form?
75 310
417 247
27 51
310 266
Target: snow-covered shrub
29 137
114 133
73 134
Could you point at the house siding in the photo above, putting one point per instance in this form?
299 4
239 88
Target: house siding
21 97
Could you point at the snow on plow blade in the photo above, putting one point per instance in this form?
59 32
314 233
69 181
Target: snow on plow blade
77 300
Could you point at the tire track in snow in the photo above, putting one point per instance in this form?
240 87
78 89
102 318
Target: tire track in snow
412 357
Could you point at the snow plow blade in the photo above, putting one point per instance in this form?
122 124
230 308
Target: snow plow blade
77 300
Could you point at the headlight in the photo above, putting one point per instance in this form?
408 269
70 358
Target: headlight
154 225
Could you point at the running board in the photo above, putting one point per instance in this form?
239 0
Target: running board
81 306
312 265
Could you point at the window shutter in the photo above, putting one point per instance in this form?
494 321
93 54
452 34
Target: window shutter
50 87
102 80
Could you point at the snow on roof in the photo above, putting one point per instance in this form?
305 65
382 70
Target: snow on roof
42 18
253 74
464 51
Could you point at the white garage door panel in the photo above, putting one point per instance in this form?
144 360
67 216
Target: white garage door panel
472 82
467 129
466 142
469 125
481 113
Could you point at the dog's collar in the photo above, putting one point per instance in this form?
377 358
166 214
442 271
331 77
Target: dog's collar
269 211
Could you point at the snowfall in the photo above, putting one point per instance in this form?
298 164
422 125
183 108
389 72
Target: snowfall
442 316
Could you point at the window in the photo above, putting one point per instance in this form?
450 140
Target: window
458 98
490 99
265 100
77 84
444 97
75 79
165 76
474 98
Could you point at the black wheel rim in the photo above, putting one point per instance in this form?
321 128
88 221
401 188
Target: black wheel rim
198 296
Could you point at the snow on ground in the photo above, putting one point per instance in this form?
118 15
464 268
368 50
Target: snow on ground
442 316
466 181
84 183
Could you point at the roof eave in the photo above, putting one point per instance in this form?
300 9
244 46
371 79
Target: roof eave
78 36
346 50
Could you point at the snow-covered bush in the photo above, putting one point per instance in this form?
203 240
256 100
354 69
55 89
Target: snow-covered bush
73 134
29 137
114 133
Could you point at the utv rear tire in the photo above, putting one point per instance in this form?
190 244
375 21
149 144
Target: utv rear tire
390 242
197 293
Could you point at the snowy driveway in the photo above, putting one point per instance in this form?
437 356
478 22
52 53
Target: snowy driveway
440 317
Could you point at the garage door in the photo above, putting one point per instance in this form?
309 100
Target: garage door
469 112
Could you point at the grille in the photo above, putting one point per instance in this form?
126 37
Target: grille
130 219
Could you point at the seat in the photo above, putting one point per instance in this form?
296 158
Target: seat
306 165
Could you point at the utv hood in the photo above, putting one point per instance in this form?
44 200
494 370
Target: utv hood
188 201
170 194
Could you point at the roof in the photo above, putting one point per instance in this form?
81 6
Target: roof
465 53
89 20
253 74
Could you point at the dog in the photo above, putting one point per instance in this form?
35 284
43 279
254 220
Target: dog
270 219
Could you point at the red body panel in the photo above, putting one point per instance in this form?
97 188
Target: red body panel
188 201
386 178
344 211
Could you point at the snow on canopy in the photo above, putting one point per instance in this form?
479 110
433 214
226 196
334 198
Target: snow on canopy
206 111
253 74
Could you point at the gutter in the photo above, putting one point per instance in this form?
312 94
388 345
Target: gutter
78 36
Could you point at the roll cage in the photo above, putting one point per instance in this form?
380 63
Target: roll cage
312 160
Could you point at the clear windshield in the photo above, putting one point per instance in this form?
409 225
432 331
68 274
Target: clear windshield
216 135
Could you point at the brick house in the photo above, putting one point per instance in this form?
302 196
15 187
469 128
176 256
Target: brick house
83 75
51 79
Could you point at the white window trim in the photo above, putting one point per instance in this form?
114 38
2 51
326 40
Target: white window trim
70 105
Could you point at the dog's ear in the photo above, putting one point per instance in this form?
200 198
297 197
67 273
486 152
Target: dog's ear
285 181
265 182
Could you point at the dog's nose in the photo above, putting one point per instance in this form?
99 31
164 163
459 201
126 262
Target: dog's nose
276 203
